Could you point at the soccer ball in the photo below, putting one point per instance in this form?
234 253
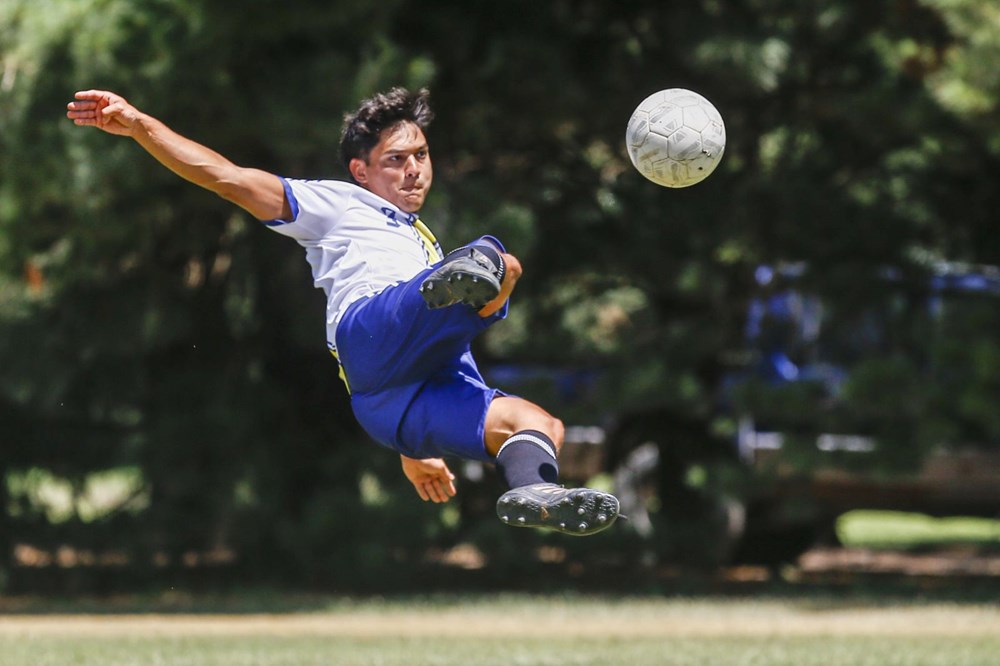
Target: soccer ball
675 138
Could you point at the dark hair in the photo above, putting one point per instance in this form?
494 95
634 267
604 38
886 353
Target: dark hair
363 128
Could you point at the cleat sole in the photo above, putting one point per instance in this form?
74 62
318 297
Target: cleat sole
576 511
462 280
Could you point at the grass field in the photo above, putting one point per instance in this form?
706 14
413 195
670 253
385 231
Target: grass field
522 631
801 628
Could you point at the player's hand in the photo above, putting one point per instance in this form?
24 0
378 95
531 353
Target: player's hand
431 478
103 110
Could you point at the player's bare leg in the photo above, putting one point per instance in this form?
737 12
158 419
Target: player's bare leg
525 439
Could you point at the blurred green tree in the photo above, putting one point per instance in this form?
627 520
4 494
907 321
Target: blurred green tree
146 325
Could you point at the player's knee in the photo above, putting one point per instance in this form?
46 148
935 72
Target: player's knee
557 431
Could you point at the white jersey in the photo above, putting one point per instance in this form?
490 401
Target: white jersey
356 242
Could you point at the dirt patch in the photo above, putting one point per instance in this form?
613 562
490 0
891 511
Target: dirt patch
951 562
539 619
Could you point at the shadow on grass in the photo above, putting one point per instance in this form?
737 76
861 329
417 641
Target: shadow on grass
819 589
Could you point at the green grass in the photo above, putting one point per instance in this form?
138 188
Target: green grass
523 631
261 651
891 529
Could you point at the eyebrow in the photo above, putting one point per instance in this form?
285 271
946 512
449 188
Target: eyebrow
396 151
422 146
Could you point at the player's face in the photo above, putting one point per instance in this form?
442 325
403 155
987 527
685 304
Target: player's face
398 168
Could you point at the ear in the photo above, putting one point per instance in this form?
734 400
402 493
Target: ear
359 170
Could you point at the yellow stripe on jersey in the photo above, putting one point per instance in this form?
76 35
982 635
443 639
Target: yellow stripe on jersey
434 254
430 242
340 370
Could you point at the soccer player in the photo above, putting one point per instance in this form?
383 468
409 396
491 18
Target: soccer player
400 316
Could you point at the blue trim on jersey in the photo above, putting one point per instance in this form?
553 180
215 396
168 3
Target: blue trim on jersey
398 216
293 203
492 239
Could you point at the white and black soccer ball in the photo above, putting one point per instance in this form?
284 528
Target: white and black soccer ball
675 137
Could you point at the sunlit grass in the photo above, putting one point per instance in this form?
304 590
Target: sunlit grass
891 529
521 630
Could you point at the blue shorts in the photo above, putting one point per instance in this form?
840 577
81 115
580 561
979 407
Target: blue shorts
415 387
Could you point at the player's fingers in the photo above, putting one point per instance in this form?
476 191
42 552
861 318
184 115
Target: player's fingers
82 120
82 113
447 481
95 95
445 490
434 490
421 490
112 109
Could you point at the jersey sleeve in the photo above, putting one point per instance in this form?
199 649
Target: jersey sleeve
316 206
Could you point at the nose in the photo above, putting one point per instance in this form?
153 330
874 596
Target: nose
411 166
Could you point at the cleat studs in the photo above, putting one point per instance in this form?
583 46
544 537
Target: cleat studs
583 527
601 518
581 511
505 501
562 526
520 519
505 519
522 501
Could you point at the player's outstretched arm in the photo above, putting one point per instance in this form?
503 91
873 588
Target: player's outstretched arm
258 192
431 478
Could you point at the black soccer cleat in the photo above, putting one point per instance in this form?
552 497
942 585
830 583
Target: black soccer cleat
467 275
577 511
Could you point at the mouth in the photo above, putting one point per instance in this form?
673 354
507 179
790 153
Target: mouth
412 197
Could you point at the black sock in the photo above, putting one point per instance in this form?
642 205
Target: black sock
528 457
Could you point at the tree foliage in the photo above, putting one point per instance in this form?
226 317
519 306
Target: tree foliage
146 325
